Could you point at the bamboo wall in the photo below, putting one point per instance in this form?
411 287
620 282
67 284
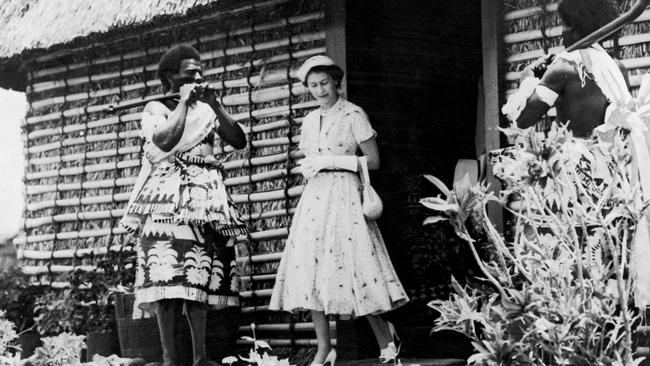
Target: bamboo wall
532 28
82 162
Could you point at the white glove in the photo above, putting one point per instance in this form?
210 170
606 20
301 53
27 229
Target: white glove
311 165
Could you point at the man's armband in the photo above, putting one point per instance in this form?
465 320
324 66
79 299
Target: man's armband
546 95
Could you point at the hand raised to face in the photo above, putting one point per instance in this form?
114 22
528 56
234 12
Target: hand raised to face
208 95
188 94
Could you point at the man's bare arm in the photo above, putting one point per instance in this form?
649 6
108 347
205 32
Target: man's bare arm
167 135
554 80
228 129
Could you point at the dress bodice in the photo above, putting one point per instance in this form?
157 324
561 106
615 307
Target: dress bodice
336 131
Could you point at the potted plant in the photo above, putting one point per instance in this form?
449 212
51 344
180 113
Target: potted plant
96 291
94 311
55 313
85 308
17 298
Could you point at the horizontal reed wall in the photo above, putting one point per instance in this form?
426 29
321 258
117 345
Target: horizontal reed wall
82 162
532 28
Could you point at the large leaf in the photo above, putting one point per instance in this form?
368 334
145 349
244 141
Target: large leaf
438 183
262 344
438 204
462 187
433 219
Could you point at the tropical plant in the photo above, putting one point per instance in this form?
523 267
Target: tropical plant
57 312
61 350
17 297
88 305
7 337
91 292
254 356
557 291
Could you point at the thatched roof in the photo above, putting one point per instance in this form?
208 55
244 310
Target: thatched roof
30 24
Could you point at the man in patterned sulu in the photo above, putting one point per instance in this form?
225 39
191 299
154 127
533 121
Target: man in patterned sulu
179 204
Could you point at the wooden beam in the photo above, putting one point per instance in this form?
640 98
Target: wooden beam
491 20
335 36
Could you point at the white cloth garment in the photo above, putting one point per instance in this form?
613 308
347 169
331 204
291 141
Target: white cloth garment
632 114
624 111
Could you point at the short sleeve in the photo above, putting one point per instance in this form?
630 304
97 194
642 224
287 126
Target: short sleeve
361 128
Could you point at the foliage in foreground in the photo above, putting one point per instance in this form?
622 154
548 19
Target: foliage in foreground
557 292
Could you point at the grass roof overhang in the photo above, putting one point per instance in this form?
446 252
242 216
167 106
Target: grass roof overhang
32 28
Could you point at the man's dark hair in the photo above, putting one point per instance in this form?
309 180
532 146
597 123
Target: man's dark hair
586 16
333 70
170 62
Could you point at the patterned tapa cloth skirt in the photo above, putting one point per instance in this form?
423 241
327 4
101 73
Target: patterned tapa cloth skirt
591 168
334 260
188 190
589 164
186 251
185 262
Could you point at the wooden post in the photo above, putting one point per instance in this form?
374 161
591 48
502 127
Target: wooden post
335 36
491 16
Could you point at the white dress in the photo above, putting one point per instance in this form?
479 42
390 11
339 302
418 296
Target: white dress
334 260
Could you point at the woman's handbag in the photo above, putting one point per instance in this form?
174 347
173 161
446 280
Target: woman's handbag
370 201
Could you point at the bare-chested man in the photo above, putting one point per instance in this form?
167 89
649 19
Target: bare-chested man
568 83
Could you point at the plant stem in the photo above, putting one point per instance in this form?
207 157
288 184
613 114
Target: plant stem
558 223
574 234
622 300
498 240
482 267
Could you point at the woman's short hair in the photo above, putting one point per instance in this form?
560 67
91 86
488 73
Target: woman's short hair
333 70
586 16
170 62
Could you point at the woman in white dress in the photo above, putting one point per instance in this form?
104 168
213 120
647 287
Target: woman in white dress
335 261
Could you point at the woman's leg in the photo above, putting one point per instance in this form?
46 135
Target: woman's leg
322 329
380 328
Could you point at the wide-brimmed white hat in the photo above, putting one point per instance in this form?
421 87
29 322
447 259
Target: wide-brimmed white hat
318 60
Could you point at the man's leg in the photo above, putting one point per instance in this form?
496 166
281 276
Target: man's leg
196 317
166 311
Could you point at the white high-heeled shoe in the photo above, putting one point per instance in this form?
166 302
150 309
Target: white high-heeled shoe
331 359
391 351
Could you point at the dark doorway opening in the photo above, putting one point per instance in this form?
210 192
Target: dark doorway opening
414 67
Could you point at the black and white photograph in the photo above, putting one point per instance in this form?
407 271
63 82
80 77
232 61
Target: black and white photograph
324 183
